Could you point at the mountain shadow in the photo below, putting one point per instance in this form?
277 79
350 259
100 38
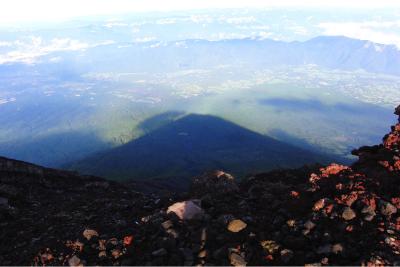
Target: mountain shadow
54 150
193 144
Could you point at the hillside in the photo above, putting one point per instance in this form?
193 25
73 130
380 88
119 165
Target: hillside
334 215
191 145
43 206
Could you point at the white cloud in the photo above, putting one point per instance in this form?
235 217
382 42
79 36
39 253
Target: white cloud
135 29
165 21
29 52
228 36
300 30
181 44
375 31
253 27
115 24
145 39
259 35
55 59
238 20
264 35
5 44
158 44
201 19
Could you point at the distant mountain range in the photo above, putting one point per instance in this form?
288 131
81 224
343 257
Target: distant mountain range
334 52
191 145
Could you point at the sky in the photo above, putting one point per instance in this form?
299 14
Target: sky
23 11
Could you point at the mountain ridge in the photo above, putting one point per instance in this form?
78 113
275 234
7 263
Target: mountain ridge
337 52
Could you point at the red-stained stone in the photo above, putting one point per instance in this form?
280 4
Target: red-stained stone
396 202
294 194
329 208
333 169
319 204
128 240
269 257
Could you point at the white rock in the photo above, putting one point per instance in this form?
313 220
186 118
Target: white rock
74 261
186 210
88 233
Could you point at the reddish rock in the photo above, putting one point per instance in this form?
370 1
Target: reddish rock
333 169
396 202
128 240
294 194
319 204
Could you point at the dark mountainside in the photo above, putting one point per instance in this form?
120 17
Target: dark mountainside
333 215
194 144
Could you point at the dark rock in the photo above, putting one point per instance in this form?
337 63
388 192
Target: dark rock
167 224
160 252
217 182
175 260
3 201
8 190
225 219
324 249
220 253
286 255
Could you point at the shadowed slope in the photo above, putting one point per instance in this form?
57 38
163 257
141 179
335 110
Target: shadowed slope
194 144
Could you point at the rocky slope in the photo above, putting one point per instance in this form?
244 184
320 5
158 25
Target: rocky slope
333 215
40 206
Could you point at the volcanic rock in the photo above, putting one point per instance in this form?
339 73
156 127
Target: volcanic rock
236 226
186 210
160 252
167 224
74 261
217 182
237 260
387 209
337 248
3 201
89 233
286 255
309 225
348 214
